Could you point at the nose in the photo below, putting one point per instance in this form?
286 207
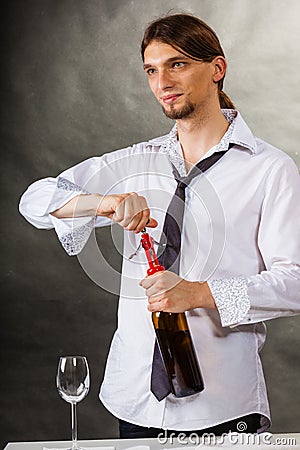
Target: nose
165 80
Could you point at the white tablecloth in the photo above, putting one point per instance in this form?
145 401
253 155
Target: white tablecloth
249 442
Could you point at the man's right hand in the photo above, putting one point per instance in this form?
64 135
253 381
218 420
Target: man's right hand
130 210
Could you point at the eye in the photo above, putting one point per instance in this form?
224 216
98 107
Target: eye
150 71
178 64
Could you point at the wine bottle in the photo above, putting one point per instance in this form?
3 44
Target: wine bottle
174 339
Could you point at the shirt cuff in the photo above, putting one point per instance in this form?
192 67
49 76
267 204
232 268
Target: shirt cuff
73 232
65 190
231 298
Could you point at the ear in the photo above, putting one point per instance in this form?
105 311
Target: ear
219 65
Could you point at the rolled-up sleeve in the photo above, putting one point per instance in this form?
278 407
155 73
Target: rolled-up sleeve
49 194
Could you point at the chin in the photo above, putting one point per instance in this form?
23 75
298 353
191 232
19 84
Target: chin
179 113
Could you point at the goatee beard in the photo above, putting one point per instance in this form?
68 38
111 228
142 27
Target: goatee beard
187 110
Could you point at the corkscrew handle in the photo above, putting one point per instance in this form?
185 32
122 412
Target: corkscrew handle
148 245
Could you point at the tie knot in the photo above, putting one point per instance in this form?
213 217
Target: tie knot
182 183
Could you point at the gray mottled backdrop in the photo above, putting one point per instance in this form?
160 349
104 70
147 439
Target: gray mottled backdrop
73 87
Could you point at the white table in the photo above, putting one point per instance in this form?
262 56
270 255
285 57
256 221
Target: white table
118 444
270 442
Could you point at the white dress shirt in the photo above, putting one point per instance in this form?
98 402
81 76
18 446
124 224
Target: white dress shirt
241 233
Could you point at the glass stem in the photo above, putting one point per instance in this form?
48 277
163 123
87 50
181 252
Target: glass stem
74 425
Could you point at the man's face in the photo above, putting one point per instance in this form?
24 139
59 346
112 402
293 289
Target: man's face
183 86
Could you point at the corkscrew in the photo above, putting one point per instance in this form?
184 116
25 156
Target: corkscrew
147 243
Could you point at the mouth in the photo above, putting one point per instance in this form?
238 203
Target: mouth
171 98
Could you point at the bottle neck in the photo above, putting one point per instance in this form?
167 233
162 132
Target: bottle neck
169 321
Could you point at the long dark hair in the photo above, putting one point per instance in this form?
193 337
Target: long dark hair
192 37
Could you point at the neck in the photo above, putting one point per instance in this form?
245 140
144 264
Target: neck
198 134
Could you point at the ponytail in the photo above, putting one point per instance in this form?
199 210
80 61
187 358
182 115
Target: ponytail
225 101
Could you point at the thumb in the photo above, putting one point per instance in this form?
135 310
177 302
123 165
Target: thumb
152 223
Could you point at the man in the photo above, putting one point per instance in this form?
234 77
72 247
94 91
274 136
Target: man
239 261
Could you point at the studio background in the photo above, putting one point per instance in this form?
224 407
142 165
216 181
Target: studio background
73 87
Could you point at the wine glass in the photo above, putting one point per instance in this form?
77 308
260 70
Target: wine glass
73 383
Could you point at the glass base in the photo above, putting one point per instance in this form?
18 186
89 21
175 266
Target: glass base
76 447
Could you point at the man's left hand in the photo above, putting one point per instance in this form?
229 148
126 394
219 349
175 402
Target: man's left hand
168 292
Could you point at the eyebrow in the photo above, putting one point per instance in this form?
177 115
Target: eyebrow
174 58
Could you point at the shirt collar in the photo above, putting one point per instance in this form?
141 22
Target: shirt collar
238 133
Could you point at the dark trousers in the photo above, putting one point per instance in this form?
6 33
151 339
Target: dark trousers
251 423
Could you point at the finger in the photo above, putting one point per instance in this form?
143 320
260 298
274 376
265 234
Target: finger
152 223
154 305
136 212
154 292
133 213
144 217
146 220
155 298
127 211
118 216
134 222
149 280
131 210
